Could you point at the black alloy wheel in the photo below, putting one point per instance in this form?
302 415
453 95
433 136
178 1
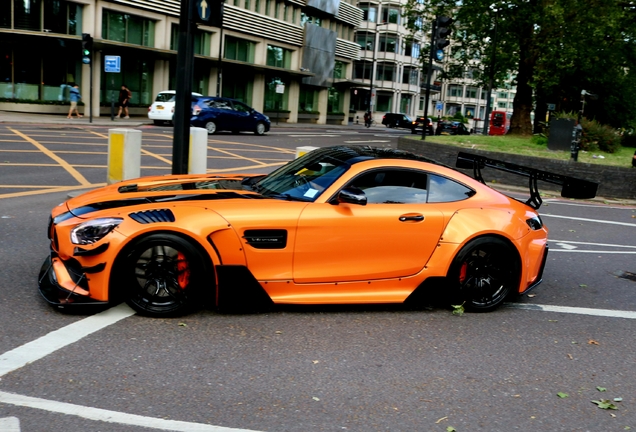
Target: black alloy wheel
484 273
161 276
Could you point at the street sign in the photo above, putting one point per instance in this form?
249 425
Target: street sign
112 64
551 107
208 12
439 105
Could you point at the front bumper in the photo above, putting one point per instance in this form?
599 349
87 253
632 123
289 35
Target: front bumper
62 286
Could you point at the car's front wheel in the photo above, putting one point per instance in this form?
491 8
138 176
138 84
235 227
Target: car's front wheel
260 128
161 275
211 127
484 273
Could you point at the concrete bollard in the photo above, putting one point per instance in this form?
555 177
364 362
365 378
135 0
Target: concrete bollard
198 163
302 150
124 155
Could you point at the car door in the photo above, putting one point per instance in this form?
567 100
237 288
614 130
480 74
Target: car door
223 114
392 236
244 120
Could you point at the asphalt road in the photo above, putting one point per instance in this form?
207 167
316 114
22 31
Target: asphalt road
381 368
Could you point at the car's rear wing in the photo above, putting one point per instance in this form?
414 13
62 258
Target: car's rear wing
570 187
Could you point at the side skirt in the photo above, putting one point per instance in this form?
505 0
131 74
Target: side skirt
239 291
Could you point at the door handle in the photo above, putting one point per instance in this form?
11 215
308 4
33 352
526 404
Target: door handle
412 218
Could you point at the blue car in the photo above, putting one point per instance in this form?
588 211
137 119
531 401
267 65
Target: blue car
217 114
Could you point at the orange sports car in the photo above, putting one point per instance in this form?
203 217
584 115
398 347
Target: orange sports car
338 225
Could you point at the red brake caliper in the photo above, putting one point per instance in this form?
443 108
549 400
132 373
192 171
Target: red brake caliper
184 271
462 272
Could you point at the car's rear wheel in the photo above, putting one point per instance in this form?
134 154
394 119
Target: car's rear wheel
211 127
260 128
161 275
484 273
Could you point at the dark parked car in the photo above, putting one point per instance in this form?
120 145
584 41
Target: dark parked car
216 114
395 120
418 124
451 128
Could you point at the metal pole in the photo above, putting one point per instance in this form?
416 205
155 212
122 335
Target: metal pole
183 109
219 74
491 78
429 73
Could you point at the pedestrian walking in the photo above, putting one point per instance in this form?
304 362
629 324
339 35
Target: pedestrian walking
74 96
124 99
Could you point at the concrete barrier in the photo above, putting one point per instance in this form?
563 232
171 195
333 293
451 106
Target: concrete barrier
124 155
198 160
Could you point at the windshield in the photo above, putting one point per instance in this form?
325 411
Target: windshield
305 178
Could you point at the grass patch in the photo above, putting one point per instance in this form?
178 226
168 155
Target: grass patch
531 147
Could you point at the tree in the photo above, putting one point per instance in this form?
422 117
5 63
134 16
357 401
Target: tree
552 49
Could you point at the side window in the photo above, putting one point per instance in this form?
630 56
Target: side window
238 106
442 189
393 186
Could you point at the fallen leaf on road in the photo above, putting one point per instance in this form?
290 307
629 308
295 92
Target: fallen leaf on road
592 342
562 395
443 418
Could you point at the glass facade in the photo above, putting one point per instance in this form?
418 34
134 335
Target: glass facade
276 93
278 57
127 28
201 40
239 49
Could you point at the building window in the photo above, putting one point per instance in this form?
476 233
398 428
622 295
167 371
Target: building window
52 16
334 101
384 102
274 99
339 70
247 4
386 72
127 28
309 19
240 90
391 15
62 17
201 40
239 49
412 49
455 90
410 75
366 41
308 99
470 111
502 95
389 44
502 105
362 70
369 12
405 103
278 57
471 92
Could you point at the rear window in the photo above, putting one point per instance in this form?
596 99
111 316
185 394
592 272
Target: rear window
165 97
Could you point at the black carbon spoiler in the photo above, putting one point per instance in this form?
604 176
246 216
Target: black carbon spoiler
570 187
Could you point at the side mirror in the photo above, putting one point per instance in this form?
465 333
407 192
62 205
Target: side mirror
352 195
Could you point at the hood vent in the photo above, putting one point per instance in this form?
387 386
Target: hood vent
152 216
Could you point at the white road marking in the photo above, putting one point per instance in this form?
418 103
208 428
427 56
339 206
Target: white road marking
575 310
605 206
589 220
566 246
51 342
98 414
593 251
594 244
10 424
367 141
313 135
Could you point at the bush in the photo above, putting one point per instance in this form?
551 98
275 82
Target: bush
599 137
539 139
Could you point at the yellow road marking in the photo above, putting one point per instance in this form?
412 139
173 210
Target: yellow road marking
72 171
235 155
143 151
50 190
240 169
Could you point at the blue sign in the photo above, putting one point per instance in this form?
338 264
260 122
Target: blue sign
204 10
439 106
112 64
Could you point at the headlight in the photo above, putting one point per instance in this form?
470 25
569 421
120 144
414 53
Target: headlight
535 223
93 230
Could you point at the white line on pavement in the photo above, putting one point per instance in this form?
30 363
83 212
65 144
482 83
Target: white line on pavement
10 424
45 345
98 414
575 310
589 220
593 244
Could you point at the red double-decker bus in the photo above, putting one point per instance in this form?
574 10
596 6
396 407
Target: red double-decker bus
499 123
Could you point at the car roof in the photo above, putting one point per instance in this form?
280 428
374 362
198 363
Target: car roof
362 153
174 91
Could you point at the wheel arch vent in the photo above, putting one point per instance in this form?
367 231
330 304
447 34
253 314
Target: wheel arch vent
153 216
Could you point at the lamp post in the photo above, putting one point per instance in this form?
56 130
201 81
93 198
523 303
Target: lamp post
491 75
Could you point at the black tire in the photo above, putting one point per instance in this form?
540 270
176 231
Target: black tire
211 127
259 129
161 275
484 273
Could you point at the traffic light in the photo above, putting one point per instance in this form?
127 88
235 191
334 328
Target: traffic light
87 48
442 32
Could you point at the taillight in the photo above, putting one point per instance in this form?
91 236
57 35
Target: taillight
196 110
